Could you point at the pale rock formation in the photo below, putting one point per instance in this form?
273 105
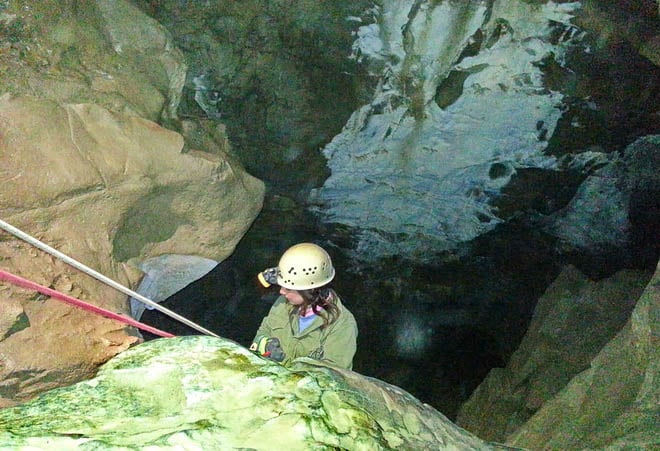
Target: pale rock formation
167 274
412 170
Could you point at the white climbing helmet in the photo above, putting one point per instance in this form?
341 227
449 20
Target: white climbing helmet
304 266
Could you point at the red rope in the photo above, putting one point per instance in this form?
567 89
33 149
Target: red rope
21 282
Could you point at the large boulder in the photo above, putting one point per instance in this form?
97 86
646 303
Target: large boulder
209 393
109 190
572 322
613 404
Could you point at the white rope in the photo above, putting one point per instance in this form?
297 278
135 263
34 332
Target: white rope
76 264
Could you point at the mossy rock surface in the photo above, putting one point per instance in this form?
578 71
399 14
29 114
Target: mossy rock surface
206 393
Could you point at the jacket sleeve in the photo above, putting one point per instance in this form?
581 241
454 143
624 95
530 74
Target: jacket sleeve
341 343
266 327
264 330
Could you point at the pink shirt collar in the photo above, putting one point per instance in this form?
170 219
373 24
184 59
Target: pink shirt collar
310 312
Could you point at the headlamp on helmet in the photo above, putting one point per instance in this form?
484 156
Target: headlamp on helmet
268 277
302 267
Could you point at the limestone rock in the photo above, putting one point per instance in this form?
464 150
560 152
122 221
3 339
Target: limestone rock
425 160
105 189
611 205
106 52
207 393
614 404
572 321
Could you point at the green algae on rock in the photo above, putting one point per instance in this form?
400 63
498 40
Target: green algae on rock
201 392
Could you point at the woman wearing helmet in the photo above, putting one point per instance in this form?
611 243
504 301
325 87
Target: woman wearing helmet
308 319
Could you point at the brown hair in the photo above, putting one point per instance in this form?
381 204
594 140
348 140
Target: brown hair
322 301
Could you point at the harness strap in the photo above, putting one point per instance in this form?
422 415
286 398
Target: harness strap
21 282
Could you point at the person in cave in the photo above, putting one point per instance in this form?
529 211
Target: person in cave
308 319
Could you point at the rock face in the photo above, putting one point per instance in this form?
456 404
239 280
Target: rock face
615 205
573 320
207 393
167 274
614 403
85 170
276 73
460 105
581 367
471 94
93 52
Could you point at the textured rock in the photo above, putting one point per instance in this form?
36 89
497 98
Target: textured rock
613 204
614 404
150 45
105 52
573 320
207 393
414 170
103 188
276 73
635 22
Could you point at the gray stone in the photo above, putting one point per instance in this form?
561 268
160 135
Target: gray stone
166 275
572 322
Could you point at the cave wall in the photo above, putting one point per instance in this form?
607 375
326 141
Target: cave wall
277 73
614 402
573 320
83 70
85 169
566 189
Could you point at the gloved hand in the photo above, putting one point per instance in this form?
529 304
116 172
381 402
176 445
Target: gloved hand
269 347
274 350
